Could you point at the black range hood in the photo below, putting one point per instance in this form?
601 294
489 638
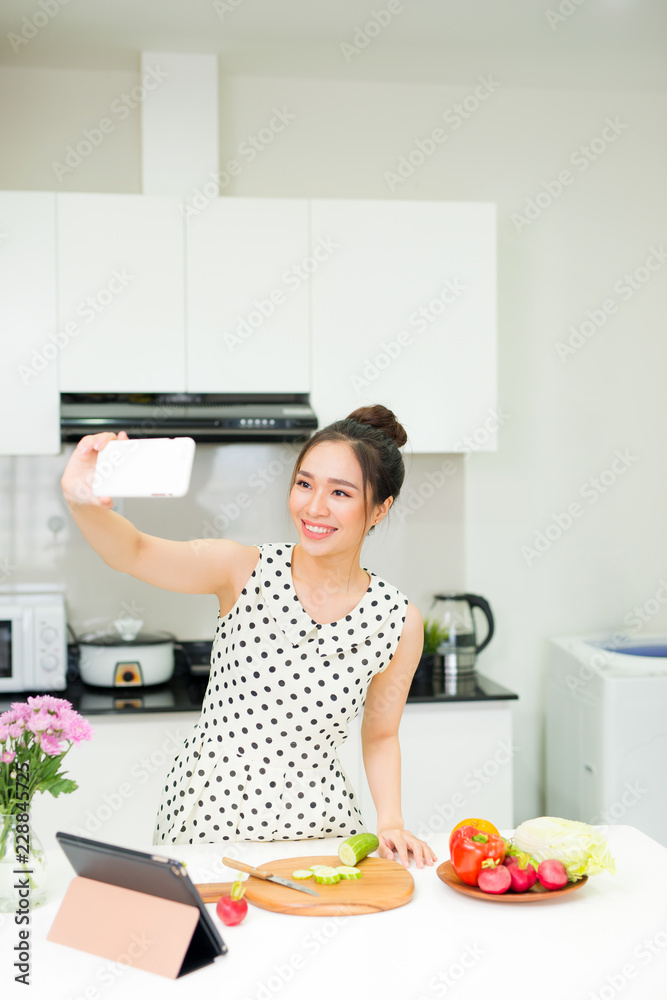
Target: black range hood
213 418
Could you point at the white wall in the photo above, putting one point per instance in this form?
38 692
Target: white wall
43 111
565 419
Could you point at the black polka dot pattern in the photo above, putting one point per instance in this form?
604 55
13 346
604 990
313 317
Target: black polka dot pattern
261 763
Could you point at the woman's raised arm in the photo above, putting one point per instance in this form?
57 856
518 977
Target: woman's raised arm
202 566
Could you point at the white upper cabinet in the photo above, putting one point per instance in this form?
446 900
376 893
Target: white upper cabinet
404 314
121 293
29 343
248 271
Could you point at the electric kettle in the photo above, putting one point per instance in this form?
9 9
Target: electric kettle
459 647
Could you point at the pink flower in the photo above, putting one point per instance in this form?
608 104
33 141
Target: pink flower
47 703
74 727
7 757
21 709
50 745
39 722
15 730
4 732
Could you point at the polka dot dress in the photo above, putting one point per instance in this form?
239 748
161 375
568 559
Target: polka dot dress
261 762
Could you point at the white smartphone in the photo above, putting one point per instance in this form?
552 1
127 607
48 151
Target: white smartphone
144 467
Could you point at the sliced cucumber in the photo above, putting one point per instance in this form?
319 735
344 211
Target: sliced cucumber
327 876
314 868
346 871
302 873
354 849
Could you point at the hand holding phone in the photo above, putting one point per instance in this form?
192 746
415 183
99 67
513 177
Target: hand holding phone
144 467
77 478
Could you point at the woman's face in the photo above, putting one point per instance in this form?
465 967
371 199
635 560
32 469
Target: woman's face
326 502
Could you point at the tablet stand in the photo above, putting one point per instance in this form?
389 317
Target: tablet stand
134 928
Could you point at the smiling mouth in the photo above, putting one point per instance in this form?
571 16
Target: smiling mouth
321 530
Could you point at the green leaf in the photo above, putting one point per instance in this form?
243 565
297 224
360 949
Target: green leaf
61 786
434 634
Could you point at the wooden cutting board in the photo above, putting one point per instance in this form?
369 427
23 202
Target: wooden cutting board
383 885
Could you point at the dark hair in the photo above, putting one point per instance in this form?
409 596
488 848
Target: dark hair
375 435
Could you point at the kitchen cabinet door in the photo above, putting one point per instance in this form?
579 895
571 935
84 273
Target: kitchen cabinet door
120 773
121 291
29 343
248 273
457 760
404 313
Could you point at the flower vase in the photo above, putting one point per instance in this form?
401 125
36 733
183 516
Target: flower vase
23 878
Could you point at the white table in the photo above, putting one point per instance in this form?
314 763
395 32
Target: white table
608 939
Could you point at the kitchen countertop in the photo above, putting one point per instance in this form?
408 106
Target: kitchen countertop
608 938
185 691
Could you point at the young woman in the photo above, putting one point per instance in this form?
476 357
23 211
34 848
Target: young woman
306 638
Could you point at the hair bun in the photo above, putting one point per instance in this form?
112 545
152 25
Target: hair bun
383 419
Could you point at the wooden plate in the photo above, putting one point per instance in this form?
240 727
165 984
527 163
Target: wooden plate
537 894
383 885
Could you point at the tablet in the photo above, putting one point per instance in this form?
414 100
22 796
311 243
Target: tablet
153 874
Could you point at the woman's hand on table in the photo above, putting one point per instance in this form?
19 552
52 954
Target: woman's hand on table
403 841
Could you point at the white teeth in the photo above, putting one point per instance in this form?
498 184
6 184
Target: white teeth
320 531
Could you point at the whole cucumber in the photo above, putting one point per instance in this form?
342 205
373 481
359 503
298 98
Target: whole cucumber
352 850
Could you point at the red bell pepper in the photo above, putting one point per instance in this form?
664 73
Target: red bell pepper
471 851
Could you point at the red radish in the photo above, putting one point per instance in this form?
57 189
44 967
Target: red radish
523 879
495 880
233 908
510 860
552 874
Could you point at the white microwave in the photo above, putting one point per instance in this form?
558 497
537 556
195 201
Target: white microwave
33 641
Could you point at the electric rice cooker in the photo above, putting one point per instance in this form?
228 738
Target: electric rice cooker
124 656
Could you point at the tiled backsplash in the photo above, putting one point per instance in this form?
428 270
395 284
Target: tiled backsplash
237 491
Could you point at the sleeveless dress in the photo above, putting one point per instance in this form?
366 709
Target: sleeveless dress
261 762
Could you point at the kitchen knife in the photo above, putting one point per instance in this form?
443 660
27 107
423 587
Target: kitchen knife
259 873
